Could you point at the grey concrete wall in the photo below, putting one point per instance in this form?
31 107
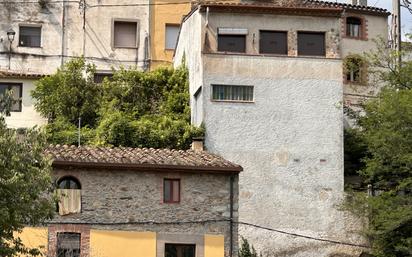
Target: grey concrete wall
131 197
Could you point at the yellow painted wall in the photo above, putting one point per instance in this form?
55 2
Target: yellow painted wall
161 15
214 246
105 243
34 238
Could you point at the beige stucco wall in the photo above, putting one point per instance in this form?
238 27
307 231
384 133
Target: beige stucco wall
28 117
162 13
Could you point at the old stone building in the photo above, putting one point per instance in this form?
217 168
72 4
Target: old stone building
268 81
121 202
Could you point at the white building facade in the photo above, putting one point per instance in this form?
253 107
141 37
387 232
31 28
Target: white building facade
267 80
109 34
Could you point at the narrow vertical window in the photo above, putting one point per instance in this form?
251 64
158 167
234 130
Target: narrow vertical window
171 190
355 70
172 33
68 244
69 196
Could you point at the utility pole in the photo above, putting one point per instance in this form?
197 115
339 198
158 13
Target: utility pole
396 25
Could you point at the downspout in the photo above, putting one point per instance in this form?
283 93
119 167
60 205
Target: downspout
63 31
148 54
232 181
84 28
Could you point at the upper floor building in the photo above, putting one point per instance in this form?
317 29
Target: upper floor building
140 202
268 82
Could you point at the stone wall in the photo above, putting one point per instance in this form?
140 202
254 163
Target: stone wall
134 199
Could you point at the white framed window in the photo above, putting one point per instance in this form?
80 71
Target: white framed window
125 34
30 35
232 93
171 35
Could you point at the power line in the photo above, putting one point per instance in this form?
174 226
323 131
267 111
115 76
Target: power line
210 221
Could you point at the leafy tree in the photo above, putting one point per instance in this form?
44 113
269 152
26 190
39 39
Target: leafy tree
70 93
24 177
385 132
133 108
247 250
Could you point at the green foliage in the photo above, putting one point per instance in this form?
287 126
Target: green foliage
247 250
24 179
355 150
69 93
6 102
383 141
134 108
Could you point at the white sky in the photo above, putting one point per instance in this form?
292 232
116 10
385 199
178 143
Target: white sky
387 4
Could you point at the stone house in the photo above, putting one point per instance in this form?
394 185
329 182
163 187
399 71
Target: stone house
268 82
141 202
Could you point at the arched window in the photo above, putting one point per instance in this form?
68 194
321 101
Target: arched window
354 27
68 183
69 195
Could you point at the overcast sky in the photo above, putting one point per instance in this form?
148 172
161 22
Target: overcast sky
387 4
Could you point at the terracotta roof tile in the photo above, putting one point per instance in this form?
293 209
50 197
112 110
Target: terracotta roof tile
139 158
20 74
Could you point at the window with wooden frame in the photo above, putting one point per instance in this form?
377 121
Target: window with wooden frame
273 42
231 93
354 27
68 244
125 34
355 70
311 43
16 92
30 35
171 190
69 195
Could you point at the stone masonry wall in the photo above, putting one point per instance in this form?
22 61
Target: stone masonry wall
130 198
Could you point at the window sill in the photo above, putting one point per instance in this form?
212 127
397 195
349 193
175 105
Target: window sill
171 202
126 47
355 38
30 46
169 50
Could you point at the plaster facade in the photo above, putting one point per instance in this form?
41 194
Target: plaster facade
289 139
28 116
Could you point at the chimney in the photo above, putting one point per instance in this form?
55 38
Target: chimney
359 2
197 144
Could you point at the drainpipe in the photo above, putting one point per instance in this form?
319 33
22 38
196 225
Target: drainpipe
232 181
63 28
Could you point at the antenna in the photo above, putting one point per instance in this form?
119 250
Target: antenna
79 133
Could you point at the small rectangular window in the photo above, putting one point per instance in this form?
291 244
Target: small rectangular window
232 93
311 43
17 90
180 250
99 77
231 43
353 27
30 36
171 190
125 34
172 32
68 244
273 42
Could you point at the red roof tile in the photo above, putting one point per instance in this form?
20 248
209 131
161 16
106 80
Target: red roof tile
139 158
20 74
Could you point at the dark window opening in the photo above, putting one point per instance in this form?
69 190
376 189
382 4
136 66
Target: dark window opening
354 67
180 250
353 27
16 91
99 77
68 183
231 43
311 43
232 93
30 36
273 42
171 190
68 245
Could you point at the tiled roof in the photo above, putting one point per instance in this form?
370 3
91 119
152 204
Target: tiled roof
139 158
295 5
20 74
